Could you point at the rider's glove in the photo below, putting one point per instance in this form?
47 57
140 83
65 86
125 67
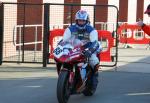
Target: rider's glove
65 51
87 53
140 23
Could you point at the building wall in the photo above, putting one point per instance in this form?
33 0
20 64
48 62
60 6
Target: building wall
101 12
129 11
90 9
30 15
70 11
132 4
123 10
112 14
10 19
139 10
13 16
56 13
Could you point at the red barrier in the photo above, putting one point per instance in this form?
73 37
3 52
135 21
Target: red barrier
104 55
132 34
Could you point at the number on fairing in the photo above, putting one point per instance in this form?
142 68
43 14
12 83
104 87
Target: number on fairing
58 51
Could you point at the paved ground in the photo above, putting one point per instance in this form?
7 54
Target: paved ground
30 83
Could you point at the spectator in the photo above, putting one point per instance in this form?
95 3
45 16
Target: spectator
145 27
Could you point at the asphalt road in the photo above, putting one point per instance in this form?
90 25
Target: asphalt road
29 83
114 87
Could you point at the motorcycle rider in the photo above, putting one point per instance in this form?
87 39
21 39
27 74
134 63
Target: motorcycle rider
83 31
145 27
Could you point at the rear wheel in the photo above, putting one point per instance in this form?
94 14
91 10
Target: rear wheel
63 91
89 90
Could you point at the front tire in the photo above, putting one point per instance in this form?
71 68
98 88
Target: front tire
63 91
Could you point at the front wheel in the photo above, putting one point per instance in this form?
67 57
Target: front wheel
63 91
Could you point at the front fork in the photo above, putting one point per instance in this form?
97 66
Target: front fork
58 66
71 77
71 72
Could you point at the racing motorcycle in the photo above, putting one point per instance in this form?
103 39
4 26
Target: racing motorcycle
70 59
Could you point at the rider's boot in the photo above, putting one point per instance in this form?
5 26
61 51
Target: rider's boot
95 76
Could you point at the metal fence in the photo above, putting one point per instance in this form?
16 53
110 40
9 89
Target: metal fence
22 32
25 28
61 15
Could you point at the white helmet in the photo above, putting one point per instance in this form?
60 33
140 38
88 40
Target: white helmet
82 15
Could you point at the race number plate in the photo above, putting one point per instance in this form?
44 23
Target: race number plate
58 51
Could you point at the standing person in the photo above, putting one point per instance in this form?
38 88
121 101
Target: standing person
83 31
145 27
